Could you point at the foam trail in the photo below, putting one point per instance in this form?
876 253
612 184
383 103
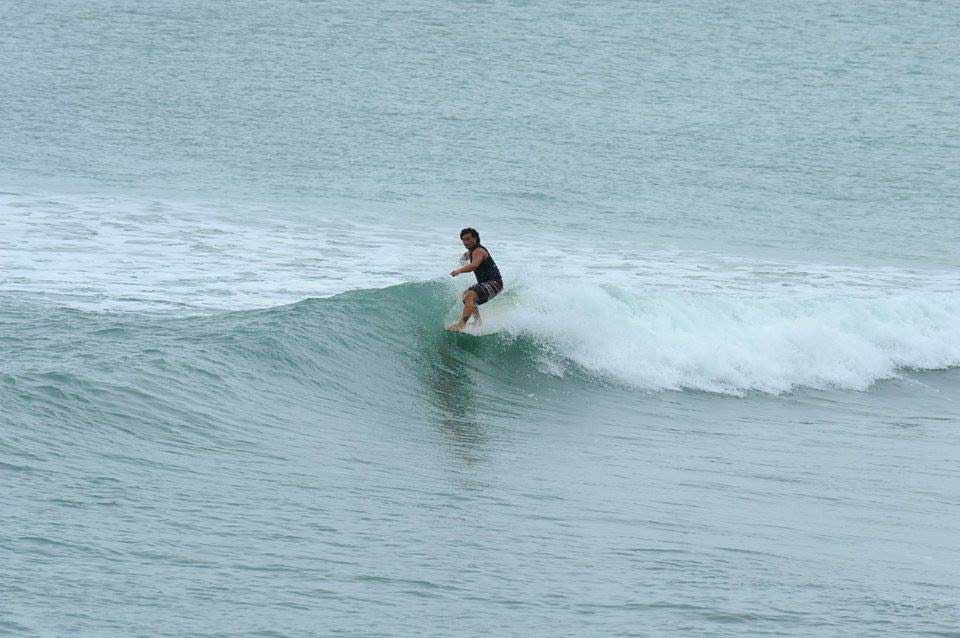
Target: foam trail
734 344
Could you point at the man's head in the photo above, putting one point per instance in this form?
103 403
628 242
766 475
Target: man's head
470 238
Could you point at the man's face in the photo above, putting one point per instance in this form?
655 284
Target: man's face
469 241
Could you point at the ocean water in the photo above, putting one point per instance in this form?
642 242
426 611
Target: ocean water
720 395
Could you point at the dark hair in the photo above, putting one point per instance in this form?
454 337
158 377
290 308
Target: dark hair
470 231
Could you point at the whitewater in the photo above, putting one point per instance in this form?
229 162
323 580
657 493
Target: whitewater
718 396
655 319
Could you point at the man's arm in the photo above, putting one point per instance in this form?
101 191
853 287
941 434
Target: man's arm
479 254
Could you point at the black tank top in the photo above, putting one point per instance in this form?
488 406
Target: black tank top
487 271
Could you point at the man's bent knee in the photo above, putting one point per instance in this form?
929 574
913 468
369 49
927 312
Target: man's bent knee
469 298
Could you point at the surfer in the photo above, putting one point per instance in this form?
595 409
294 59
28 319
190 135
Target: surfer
489 284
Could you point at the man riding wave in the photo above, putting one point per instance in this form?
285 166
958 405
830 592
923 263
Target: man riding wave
489 284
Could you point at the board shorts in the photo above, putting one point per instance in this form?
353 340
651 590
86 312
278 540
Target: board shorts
487 290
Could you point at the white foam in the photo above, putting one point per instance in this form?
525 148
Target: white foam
733 343
116 254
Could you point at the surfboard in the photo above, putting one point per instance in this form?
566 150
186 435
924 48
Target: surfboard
472 328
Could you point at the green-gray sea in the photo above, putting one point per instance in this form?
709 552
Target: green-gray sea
719 396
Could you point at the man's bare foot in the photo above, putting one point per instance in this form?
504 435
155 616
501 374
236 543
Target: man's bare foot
456 327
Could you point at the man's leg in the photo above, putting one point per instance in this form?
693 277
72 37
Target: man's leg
476 314
469 309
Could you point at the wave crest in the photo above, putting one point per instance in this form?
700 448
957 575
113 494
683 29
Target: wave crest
733 344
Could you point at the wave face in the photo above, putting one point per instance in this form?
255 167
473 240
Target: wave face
366 352
380 350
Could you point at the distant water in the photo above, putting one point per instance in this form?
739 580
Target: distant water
719 396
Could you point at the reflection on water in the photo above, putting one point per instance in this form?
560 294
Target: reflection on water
451 387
